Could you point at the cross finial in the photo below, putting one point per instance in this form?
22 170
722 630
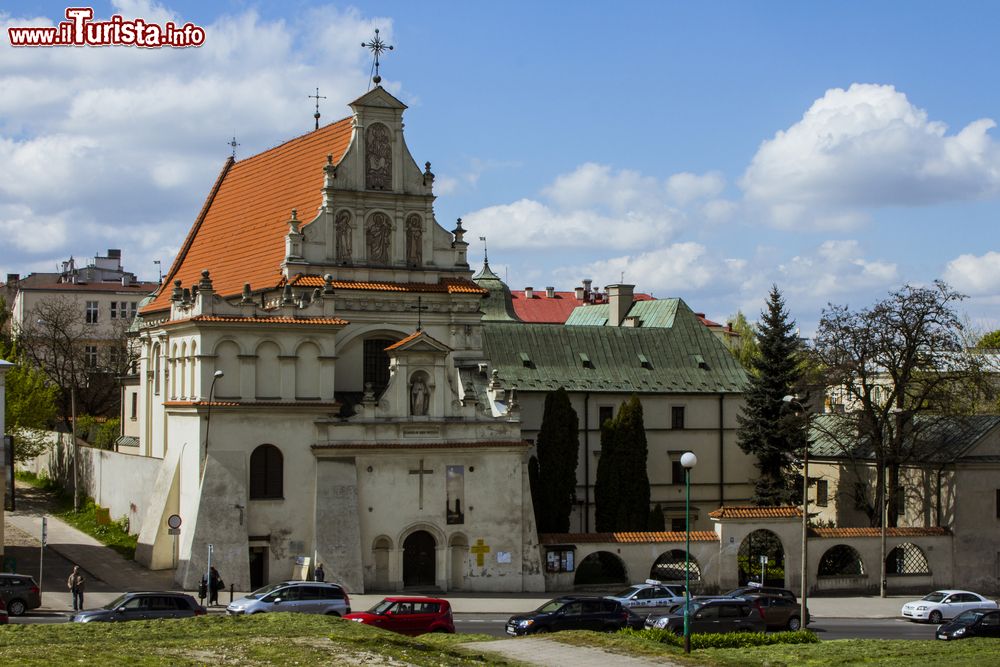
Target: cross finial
377 47
419 308
233 144
318 98
486 254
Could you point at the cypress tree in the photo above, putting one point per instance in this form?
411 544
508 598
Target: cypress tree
558 451
621 494
768 429
606 492
656 520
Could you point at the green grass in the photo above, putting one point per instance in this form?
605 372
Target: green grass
264 639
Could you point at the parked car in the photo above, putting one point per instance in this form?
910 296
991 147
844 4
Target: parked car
780 613
573 612
143 605
309 597
713 616
408 615
940 605
3 613
642 597
971 623
756 589
19 593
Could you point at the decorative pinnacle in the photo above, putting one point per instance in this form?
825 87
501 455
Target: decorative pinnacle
377 47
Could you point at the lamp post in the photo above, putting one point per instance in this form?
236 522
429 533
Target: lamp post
884 519
796 405
208 417
688 460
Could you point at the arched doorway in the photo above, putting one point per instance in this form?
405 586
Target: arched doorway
670 567
600 568
419 556
841 561
762 543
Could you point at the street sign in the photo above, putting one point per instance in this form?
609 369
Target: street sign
174 521
173 531
45 530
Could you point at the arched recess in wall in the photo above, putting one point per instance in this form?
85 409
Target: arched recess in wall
155 362
670 567
601 567
759 543
193 371
173 371
307 372
227 360
182 370
841 560
267 473
907 558
268 371
381 549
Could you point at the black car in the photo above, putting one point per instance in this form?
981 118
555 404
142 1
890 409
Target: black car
762 590
19 593
143 606
971 623
713 616
780 613
573 612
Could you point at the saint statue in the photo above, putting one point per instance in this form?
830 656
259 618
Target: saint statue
343 227
420 397
378 238
414 240
378 153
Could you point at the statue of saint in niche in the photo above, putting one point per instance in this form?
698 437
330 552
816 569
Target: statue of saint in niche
379 235
420 397
343 228
378 154
414 240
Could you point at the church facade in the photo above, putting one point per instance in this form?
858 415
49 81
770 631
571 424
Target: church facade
312 375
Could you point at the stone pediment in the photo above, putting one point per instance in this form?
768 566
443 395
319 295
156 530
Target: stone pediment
378 98
418 341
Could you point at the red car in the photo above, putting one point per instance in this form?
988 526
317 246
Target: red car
3 613
408 615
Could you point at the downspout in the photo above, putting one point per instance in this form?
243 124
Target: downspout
722 441
586 462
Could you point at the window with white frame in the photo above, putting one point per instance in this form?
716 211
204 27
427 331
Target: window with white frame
92 312
90 356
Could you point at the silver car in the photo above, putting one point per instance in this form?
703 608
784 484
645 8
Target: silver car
143 606
308 597
643 597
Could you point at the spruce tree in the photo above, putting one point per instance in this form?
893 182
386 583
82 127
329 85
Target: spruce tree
606 491
621 494
768 429
558 451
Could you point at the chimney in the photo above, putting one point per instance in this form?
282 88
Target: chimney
587 282
579 293
550 292
13 278
529 292
114 253
620 299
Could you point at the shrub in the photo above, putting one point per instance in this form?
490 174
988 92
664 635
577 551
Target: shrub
729 640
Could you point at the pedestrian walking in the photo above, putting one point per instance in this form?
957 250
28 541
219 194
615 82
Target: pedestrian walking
319 574
215 584
76 583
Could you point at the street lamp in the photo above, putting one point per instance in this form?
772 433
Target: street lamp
688 460
793 402
208 416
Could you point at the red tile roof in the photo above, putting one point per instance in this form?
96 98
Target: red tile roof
235 319
541 309
415 334
445 285
326 405
628 538
876 532
239 234
753 512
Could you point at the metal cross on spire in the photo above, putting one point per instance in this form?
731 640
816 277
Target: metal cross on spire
318 98
377 47
233 144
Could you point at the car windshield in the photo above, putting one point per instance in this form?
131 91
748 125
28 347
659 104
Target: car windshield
679 609
934 597
382 607
967 618
551 606
261 592
117 602
627 592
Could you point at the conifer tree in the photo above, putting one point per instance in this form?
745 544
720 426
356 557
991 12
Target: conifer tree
558 451
768 429
621 494
606 490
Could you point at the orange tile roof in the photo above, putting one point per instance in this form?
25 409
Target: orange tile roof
406 340
263 320
629 538
754 512
445 285
326 405
239 233
876 532
375 446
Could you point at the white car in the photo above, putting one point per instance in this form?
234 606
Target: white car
940 605
648 595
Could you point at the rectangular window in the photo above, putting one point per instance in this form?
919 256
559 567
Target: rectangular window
604 413
376 364
135 406
91 312
677 417
114 310
132 307
678 525
822 492
90 356
676 472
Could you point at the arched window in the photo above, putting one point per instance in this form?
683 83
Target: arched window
267 472
376 363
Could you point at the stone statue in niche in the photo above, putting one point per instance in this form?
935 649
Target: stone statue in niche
378 157
343 229
378 237
414 240
420 396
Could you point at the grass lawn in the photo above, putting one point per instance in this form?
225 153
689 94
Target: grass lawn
899 652
263 639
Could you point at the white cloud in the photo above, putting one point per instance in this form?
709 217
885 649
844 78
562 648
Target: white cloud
686 187
835 268
976 275
867 147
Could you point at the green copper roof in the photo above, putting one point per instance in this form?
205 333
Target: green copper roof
497 306
683 358
652 313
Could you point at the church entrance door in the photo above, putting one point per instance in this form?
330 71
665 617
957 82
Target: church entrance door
419 555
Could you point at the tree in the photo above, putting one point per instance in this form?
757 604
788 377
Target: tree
990 341
768 430
897 369
745 349
558 450
31 405
621 494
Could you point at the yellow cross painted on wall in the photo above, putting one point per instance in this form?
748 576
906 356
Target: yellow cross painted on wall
480 549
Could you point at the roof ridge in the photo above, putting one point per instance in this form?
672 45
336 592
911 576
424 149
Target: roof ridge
288 141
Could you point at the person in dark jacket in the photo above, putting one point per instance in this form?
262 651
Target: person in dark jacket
214 585
319 574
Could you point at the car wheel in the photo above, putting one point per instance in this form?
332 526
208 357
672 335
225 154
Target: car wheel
333 613
16 607
934 617
540 631
794 623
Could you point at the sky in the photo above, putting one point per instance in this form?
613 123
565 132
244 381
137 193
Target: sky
702 150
